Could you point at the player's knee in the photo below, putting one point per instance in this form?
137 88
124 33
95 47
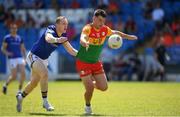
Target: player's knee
44 75
22 77
34 83
104 88
13 76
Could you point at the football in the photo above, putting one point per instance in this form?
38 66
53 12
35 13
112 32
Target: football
115 41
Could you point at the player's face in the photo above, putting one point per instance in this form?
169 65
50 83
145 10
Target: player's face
99 21
62 26
13 28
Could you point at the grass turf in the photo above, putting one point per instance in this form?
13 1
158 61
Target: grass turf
121 99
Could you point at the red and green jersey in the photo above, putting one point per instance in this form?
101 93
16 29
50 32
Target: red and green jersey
96 40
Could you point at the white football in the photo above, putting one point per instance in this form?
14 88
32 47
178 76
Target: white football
115 41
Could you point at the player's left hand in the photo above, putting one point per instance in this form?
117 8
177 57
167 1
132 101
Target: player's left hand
133 37
62 39
24 61
84 43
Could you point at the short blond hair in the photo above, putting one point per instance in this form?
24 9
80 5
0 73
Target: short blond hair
60 18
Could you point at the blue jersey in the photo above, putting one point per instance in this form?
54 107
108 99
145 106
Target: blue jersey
14 45
42 48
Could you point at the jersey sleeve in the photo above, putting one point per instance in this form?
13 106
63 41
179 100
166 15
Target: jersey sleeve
64 35
109 31
48 30
5 40
22 40
86 30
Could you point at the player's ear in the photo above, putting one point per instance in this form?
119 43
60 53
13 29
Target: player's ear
94 18
57 24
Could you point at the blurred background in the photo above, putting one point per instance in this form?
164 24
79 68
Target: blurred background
155 56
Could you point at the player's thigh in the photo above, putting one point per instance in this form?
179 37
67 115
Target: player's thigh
88 82
83 68
39 68
101 81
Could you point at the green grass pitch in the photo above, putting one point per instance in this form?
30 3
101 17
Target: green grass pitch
121 99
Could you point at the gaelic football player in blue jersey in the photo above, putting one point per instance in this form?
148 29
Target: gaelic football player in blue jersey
54 36
13 48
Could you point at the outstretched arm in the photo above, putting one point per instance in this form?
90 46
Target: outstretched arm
70 49
123 35
51 39
84 40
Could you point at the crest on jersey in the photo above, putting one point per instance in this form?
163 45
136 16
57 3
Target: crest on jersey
103 33
82 72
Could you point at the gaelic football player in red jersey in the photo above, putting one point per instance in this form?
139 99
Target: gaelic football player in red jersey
88 64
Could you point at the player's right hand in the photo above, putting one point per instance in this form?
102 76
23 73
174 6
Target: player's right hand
84 43
62 39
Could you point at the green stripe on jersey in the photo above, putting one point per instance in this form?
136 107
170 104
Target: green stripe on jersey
91 55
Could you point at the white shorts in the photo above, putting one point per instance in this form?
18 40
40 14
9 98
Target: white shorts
31 58
13 62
